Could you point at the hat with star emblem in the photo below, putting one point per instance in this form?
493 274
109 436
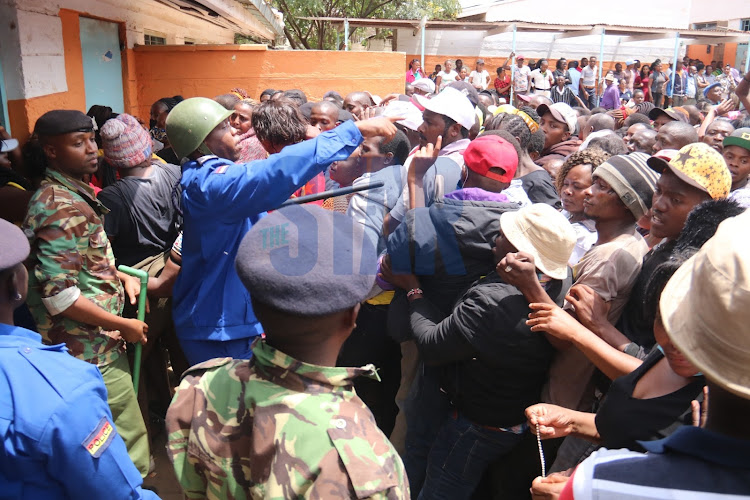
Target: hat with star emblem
700 166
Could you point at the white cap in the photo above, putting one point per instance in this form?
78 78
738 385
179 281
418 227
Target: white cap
453 104
425 85
412 115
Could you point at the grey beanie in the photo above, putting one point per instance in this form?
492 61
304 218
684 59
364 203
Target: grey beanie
307 261
632 179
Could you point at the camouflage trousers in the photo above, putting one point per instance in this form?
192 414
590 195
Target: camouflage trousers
125 411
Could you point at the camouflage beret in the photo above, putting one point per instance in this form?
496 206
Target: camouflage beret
307 261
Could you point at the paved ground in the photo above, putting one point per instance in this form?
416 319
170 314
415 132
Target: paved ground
163 479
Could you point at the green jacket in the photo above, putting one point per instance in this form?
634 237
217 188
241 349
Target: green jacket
274 427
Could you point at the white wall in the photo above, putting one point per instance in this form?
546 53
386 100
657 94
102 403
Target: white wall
532 45
31 45
661 14
658 13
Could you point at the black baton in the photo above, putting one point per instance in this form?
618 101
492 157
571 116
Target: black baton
331 194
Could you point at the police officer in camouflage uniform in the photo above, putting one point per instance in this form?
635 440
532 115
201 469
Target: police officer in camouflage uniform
287 423
76 295
56 435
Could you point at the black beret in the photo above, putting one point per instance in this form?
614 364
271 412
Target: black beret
308 261
63 121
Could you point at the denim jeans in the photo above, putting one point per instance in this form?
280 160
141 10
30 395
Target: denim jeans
426 408
460 456
591 99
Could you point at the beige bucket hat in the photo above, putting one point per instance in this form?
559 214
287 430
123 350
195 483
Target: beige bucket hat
543 232
705 307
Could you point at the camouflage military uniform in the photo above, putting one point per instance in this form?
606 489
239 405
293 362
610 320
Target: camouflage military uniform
274 427
70 254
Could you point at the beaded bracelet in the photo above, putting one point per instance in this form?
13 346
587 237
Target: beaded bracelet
414 291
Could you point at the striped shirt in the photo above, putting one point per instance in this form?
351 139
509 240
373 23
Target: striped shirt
690 464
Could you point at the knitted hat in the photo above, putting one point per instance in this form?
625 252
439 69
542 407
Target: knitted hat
125 142
632 180
700 166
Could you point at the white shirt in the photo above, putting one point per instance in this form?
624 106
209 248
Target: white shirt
520 78
588 76
632 74
480 80
542 81
446 78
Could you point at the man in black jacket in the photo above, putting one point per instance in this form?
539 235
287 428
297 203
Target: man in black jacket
491 361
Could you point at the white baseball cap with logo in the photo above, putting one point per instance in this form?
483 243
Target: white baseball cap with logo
453 104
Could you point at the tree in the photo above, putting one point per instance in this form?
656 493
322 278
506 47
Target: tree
304 34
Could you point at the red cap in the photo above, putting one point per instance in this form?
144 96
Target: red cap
488 151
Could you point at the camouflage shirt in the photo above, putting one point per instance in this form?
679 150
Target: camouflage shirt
71 256
277 428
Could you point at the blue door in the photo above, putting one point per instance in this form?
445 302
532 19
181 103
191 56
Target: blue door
102 67
739 61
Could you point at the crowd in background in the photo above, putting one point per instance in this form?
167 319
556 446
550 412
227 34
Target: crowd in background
520 288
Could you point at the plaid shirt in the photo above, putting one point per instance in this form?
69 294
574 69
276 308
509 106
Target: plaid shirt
71 256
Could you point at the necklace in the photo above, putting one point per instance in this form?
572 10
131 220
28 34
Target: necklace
541 451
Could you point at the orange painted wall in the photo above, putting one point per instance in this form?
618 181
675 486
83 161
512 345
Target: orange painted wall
699 52
203 70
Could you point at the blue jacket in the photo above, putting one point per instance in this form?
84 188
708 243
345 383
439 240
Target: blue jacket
221 201
56 430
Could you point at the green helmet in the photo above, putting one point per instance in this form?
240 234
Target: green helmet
190 122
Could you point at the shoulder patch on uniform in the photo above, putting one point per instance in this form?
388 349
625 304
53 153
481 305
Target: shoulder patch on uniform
100 438
207 365
221 169
204 159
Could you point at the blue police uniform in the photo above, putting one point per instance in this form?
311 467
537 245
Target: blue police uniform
58 440
221 201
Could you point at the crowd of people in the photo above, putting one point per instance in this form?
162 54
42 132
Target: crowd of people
691 82
434 294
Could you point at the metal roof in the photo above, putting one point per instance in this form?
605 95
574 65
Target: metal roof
630 33
247 17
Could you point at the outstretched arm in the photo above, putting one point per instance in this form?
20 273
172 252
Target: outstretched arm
241 190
